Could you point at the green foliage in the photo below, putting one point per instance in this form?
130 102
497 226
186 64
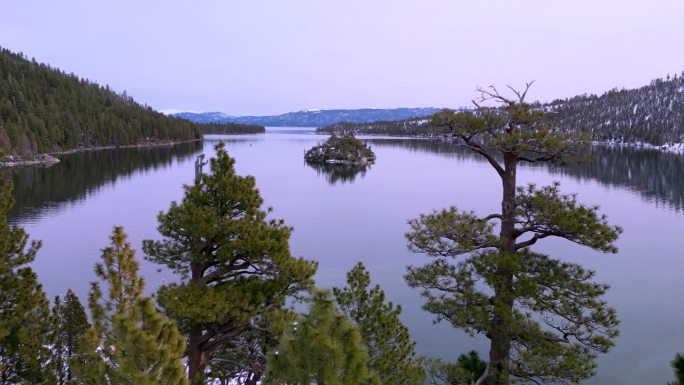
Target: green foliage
149 348
391 351
43 109
232 128
234 263
129 342
243 360
678 366
323 347
545 319
24 309
467 369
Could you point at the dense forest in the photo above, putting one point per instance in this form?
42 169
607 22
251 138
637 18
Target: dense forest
409 127
653 114
231 128
43 109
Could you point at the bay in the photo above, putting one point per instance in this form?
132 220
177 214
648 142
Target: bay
341 217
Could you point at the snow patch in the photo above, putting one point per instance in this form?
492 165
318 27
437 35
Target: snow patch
171 111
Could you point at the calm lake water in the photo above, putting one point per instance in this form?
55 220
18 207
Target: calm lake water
343 217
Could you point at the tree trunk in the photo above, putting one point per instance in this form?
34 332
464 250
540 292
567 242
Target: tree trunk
196 357
499 352
196 360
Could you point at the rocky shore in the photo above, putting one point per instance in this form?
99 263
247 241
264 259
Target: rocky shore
14 160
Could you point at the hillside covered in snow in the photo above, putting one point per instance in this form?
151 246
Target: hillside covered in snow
653 115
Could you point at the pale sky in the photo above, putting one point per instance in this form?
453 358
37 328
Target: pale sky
268 57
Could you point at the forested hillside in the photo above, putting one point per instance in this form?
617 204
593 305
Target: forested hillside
43 109
653 114
409 127
231 128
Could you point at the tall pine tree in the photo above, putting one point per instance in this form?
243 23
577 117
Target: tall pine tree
69 323
391 351
129 341
545 318
678 366
234 264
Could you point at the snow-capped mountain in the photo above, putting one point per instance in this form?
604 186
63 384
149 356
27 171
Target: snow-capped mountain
312 117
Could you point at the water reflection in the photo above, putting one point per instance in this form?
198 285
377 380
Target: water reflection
38 189
655 175
342 173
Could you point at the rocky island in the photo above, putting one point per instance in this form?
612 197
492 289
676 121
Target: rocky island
343 149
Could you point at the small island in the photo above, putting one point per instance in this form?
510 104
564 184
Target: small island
343 149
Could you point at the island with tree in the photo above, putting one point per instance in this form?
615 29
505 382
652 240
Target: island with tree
341 149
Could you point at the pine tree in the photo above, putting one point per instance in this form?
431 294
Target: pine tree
323 347
149 348
233 262
24 308
68 325
129 341
58 366
545 319
678 366
391 350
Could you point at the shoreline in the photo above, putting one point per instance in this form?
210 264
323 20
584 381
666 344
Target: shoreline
49 158
670 148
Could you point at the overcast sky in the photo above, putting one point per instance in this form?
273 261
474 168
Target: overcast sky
266 57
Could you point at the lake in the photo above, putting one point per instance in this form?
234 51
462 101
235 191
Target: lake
344 217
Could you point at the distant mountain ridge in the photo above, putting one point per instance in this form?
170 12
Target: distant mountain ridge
311 118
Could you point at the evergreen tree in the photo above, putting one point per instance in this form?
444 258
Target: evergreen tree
323 347
678 366
68 325
233 262
545 319
24 309
129 341
58 366
391 351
